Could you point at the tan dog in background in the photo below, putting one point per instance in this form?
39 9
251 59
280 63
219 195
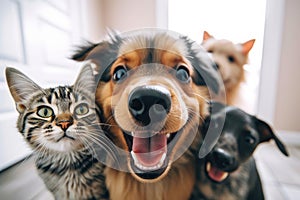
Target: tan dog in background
230 59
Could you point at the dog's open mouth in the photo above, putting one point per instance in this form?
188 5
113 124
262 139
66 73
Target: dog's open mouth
215 173
148 155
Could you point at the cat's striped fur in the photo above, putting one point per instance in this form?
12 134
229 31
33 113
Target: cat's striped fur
63 128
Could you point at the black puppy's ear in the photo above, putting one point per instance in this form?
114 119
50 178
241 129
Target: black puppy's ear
266 133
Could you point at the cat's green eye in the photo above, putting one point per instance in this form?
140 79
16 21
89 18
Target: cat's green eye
82 109
44 112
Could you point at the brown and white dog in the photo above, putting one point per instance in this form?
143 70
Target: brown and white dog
230 59
153 90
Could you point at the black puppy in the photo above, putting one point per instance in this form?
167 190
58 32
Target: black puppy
229 170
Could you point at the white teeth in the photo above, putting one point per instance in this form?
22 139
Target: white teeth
168 135
148 168
163 158
133 156
132 134
224 176
208 166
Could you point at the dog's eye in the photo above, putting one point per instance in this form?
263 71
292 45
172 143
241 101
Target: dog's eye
231 59
119 73
250 139
183 74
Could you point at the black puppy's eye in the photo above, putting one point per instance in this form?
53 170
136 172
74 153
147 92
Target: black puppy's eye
119 73
183 74
250 139
231 59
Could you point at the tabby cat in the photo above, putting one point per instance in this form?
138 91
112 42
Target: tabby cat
62 126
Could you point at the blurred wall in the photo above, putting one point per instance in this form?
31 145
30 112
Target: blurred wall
287 109
129 14
92 20
121 15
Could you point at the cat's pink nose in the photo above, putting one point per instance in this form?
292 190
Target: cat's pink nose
64 121
64 125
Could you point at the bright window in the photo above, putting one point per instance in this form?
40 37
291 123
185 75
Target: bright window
235 20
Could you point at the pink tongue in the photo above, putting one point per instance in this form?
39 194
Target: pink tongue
149 150
216 174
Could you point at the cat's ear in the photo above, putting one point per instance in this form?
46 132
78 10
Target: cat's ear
21 87
206 36
247 46
86 79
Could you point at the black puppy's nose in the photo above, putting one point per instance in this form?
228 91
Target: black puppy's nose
224 160
149 104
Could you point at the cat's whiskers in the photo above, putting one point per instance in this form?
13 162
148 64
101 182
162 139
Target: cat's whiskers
88 148
101 141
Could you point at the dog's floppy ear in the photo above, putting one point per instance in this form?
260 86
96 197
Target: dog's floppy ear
206 72
82 52
266 133
247 46
102 54
206 36
95 52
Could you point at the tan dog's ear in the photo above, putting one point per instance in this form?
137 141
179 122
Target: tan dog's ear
266 133
206 36
247 46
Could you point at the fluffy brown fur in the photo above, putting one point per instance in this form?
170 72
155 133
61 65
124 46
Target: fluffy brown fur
166 64
230 59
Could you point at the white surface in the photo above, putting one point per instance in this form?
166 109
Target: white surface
271 60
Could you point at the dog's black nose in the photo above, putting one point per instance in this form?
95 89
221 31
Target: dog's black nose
224 160
149 104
